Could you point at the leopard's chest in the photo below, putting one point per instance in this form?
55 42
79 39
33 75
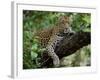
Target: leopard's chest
55 41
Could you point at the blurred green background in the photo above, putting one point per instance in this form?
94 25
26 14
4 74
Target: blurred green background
37 20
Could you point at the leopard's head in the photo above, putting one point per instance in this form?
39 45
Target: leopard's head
64 25
64 19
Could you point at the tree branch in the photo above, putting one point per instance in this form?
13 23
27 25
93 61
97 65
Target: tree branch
69 45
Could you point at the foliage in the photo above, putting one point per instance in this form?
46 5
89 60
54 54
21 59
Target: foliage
36 20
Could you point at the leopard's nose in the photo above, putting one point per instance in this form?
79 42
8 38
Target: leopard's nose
66 31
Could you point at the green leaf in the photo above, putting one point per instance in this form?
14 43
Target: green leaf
35 40
34 47
42 50
87 19
33 55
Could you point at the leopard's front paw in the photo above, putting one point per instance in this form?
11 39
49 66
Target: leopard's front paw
56 62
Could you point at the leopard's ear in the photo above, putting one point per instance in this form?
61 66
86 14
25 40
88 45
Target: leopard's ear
63 17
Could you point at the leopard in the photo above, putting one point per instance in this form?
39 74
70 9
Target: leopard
49 38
